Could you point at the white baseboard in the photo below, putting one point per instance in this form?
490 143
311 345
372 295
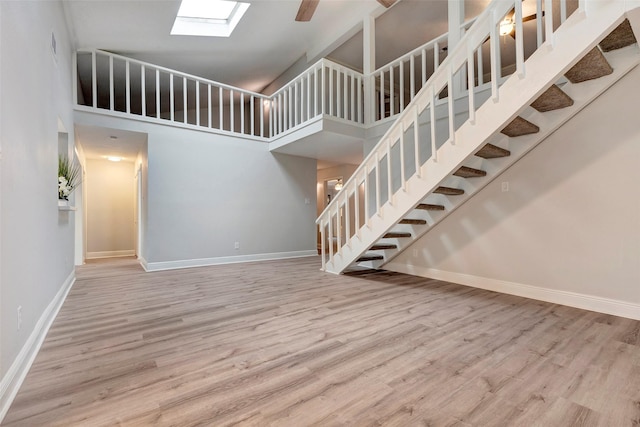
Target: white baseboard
110 254
18 370
571 299
187 263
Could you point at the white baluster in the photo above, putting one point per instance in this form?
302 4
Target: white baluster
232 124
111 84
197 103
252 114
94 81
471 85
184 99
171 96
519 40
416 139
241 105
221 108
143 90
401 90
209 109
412 81
548 22
157 93
127 87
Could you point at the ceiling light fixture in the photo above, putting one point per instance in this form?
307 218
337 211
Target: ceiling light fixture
506 26
338 186
114 158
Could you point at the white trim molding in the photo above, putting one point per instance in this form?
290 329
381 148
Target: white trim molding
18 370
572 299
203 262
110 254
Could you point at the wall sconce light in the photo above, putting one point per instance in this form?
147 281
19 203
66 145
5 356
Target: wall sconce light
338 186
506 26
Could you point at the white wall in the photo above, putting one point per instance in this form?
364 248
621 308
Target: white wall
37 240
110 208
570 222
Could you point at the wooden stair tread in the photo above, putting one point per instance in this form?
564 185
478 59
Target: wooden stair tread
382 247
370 258
592 66
429 207
413 221
553 98
393 234
490 151
621 37
449 191
520 127
467 172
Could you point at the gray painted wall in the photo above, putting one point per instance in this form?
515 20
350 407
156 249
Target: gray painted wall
37 239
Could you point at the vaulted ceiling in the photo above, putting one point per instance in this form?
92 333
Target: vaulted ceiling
265 43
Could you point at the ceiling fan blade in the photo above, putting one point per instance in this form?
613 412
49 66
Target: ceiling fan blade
306 10
531 17
387 3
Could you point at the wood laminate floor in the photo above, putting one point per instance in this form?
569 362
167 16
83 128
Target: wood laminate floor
280 343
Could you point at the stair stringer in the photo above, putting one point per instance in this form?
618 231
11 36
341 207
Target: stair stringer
579 34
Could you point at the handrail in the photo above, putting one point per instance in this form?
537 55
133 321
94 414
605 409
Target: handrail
338 221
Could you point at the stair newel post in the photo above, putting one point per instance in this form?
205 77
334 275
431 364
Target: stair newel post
231 112
416 139
127 86
519 40
539 23
171 96
389 175
450 97
322 246
401 89
471 85
382 109
347 218
143 90
221 108
111 84
432 125
403 177
209 109
412 77
367 211
338 226
494 56
548 23
197 102
356 206
377 185
184 99
157 94
252 114
330 241
241 105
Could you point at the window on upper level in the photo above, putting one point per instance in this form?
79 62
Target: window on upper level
209 18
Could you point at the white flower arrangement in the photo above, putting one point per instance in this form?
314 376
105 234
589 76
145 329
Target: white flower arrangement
68 177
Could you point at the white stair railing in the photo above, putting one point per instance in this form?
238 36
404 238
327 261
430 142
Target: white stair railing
378 179
396 83
324 89
124 85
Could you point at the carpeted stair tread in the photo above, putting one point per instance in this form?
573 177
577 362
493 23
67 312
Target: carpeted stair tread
467 172
395 235
594 65
429 207
382 247
520 127
553 98
370 258
449 191
412 221
490 151
621 37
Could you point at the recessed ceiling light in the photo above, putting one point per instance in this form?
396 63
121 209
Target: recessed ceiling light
114 158
212 18
113 137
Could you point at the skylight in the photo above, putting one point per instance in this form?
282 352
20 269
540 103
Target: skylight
212 18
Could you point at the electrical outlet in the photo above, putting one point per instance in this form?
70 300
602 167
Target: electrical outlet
19 317
505 186
237 245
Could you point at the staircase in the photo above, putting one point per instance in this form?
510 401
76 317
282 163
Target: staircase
395 197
